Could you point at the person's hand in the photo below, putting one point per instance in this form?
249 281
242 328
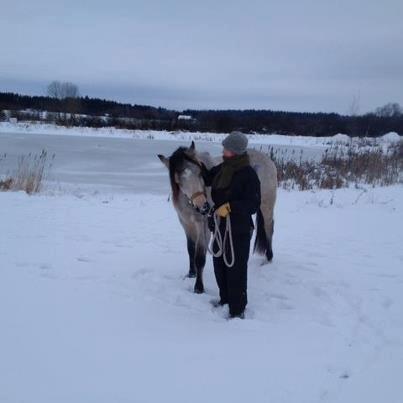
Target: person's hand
200 162
224 210
202 166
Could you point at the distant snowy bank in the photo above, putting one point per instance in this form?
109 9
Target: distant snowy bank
272 139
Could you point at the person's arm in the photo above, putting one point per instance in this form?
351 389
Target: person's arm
251 201
209 174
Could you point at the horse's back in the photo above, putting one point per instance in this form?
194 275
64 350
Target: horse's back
267 174
266 171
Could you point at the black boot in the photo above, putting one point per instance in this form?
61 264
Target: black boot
240 315
218 303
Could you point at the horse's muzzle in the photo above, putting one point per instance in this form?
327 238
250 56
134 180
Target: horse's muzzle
205 209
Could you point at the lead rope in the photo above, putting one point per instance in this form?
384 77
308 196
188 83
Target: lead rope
218 239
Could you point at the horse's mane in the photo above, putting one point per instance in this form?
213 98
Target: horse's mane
176 164
176 161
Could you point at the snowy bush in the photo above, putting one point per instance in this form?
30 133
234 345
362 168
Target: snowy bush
342 166
29 174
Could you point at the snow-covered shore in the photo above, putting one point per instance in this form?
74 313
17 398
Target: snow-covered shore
94 306
271 139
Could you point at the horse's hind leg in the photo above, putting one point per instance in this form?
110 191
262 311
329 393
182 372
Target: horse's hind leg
268 225
191 251
269 233
200 261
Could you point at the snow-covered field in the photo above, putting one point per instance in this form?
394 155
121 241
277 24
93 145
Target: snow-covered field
94 306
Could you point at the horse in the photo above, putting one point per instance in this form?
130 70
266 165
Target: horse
190 196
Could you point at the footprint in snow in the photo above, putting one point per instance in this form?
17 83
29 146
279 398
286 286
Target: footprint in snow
278 296
284 306
83 259
387 303
46 271
48 275
22 264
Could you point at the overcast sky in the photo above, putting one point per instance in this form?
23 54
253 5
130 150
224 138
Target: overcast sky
301 55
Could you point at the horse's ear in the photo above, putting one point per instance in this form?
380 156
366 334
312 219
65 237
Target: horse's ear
191 150
164 160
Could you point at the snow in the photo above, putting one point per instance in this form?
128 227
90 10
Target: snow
341 138
185 117
94 306
391 137
256 139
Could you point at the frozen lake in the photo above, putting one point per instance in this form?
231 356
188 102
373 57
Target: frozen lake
110 164
104 163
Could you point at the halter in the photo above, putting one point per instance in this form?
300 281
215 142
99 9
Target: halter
196 194
190 201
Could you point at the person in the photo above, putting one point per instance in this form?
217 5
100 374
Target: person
235 191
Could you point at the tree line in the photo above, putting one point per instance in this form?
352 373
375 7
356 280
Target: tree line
298 123
94 112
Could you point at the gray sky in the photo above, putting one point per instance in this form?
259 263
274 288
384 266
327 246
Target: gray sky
300 55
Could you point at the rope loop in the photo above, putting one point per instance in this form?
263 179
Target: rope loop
221 244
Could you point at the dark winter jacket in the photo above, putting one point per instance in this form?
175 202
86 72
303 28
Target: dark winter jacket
243 195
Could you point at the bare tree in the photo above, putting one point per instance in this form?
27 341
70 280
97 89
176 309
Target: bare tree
354 108
62 90
54 89
69 90
353 111
392 109
68 94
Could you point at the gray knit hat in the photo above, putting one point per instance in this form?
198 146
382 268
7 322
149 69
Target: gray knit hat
236 142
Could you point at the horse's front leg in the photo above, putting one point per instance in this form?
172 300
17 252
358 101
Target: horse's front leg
200 261
191 252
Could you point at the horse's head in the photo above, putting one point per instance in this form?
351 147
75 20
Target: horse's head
185 176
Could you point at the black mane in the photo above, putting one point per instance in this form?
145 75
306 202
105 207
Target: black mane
176 163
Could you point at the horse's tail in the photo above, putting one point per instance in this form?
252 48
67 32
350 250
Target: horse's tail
261 237
263 240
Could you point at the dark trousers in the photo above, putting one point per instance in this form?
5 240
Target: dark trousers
232 281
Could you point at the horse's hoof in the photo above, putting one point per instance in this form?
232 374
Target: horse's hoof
265 261
191 275
199 290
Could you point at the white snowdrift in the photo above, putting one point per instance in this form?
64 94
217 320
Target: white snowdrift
391 137
341 138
